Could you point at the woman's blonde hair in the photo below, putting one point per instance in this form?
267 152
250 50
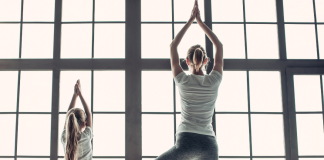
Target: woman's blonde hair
75 119
196 54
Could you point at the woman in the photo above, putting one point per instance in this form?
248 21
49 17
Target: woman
195 138
77 134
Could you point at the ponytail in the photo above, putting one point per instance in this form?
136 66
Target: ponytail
197 55
198 58
72 132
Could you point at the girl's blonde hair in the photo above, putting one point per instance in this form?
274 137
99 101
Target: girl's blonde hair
196 54
75 119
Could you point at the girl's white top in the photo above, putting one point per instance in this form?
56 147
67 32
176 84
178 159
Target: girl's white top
84 147
198 95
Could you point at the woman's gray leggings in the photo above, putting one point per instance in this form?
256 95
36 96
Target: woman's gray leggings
192 146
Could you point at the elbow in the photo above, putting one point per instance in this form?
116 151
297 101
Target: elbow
173 45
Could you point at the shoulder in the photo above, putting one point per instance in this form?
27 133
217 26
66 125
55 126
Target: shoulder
215 76
181 78
88 132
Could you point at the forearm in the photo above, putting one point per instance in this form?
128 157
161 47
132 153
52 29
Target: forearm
72 104
176 41
218 45
85 105
211 35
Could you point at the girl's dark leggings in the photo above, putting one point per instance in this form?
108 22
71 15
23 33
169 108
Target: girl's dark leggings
192 146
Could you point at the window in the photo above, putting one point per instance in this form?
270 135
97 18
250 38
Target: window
271 89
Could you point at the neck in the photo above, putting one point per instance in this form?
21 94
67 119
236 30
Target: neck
200 72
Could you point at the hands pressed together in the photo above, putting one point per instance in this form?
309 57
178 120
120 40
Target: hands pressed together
195 14
77 88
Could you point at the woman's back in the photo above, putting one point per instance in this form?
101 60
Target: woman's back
198 96
84 143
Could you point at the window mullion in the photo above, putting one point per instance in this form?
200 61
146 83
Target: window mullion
56 80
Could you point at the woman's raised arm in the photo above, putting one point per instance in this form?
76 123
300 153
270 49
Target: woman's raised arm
218 63
85 105
175 61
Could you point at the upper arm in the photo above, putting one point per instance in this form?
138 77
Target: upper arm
89 120
175 62
218 63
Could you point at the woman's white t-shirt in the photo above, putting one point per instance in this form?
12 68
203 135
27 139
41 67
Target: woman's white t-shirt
198 95
84 147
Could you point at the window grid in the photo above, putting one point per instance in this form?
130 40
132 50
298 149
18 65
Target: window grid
231 65
293 113
250 113
316 33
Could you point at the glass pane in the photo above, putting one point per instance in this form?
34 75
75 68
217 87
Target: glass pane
6 158
267 131
76 10
194 35
40 126
10 10
310 137
76 41
104 9
109 93
157 10
152 125
156 45
307 91
229 101
265 91
232 132
39 10
8 92
157 91
231 35
259 38
298 10
260 11
109 41
35 91
320 34
9 40
67 83
7 136
227 10
183 9
106 139
37 41
60 131
294 37
319 11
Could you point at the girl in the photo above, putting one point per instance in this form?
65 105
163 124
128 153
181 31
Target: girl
77 134
195 138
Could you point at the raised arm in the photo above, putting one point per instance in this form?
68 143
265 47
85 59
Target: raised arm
74 97
175 61
85 105
218 63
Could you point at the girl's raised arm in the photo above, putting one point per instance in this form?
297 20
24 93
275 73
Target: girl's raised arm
175 61
218 63
74 97
85 106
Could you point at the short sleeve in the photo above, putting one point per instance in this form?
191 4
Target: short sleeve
215 76
88 131
181 78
